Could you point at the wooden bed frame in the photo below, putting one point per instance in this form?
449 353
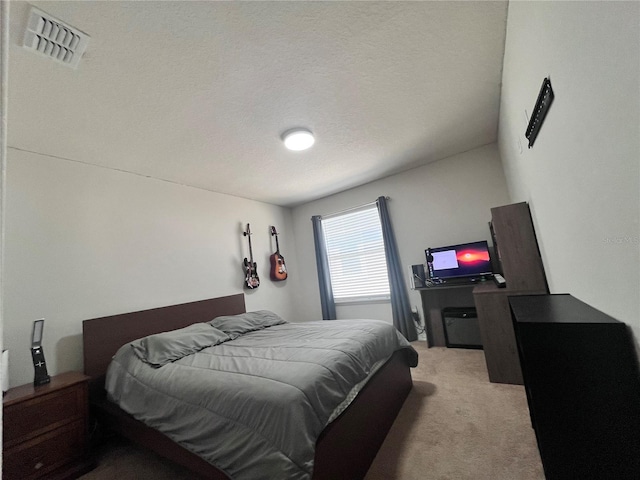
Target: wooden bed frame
345 448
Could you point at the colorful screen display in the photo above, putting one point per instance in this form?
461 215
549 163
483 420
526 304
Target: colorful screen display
465 260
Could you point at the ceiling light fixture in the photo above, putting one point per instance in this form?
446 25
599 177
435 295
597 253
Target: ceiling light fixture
298 139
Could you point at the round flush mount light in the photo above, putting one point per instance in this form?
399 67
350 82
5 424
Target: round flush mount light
298 139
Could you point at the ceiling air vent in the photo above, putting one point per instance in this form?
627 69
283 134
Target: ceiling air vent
54 39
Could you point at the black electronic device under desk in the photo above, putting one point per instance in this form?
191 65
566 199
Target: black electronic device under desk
461 329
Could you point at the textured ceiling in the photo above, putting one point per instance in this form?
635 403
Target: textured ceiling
198 93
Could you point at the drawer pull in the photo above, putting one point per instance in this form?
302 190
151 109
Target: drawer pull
38 465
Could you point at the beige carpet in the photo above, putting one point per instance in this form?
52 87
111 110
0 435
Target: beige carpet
454 425
457 425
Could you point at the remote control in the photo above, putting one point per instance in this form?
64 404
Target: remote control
499 280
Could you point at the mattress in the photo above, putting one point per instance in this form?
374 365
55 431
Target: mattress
254 402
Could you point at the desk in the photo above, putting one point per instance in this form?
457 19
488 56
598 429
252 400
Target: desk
496 330
435 298
494 318
519 257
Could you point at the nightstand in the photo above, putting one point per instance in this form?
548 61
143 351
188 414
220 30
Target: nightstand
46 429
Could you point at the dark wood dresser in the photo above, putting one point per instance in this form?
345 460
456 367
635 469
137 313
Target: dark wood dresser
46 429
582 381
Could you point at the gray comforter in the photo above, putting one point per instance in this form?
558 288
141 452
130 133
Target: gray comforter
254 403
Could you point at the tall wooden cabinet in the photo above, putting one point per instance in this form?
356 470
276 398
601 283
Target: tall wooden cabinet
515 241
582 381
519 257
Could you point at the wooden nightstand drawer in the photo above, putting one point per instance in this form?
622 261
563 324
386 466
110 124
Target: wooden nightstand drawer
43 454
46 429
38 415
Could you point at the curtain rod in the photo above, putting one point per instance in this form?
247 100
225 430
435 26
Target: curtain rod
346 210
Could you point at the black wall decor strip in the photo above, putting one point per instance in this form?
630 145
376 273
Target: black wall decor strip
545 99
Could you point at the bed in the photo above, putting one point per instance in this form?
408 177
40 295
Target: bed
345 448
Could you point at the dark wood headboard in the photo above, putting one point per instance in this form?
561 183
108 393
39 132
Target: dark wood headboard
102 337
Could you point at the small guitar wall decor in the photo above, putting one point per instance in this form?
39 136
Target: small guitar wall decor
278 267
250 268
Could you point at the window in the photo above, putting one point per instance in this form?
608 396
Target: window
355 250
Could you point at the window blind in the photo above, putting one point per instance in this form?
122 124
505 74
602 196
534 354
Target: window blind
355 250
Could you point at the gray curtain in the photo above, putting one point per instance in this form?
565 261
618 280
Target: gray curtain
324 279
400 306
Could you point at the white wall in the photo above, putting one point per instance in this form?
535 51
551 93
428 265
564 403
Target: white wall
582 177
4 65
442 203
84 242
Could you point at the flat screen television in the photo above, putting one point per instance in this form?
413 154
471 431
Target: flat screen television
467 260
